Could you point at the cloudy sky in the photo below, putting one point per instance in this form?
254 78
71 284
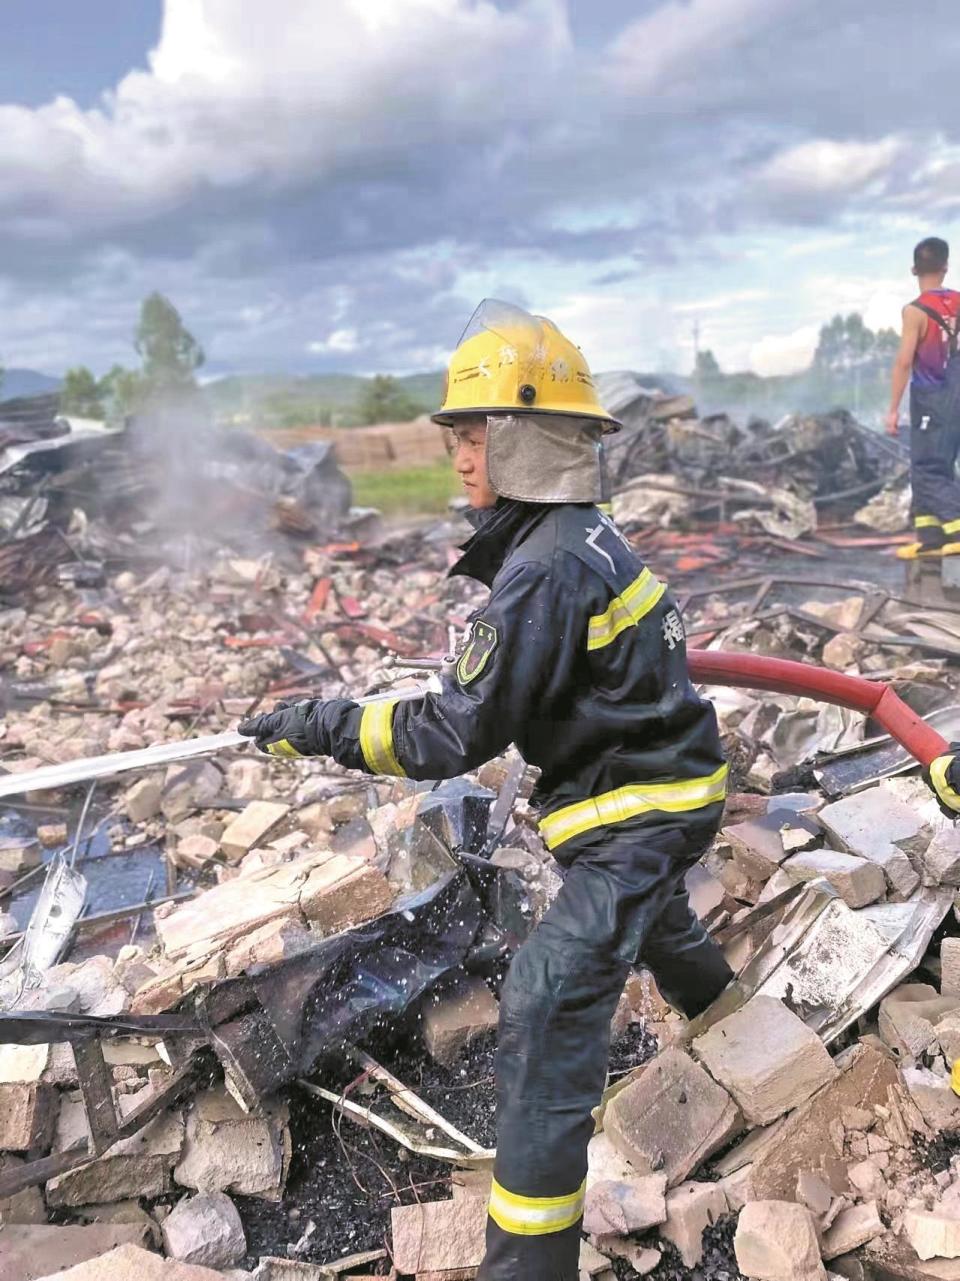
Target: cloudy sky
333 184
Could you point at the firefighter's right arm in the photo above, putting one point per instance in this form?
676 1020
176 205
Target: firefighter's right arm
522 649
914 322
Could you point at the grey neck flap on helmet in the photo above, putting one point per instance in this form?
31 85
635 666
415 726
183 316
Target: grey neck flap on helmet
544 458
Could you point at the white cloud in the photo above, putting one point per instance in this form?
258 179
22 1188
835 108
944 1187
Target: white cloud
785 353
617 331
720 302
342 340
826 168
278 92
675 41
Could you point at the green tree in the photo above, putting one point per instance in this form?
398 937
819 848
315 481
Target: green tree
121 393
383 400
851 365
169 352
844 343
707 366
81 394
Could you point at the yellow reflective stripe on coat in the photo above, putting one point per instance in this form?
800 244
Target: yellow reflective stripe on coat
535 1216
925 522
938 776
630 802
952 527
283 747
376 738
625 610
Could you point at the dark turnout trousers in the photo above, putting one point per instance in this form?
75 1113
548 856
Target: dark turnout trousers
623 902
934 447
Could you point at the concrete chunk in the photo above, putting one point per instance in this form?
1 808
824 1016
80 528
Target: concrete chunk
439 1235
757 845
344 891
814 1192
767 1058
250 827
893 1258
455 1017
228 1151
205 1229
30 1252
938 1104
950 967
777 1241
857 881
933 1235
605 1163
626 1205
591 1263
142 801
870 824
940 861
851 1229
273 942
807 1139
18 857
909 1015
642 1259
28 1116
130 1263
691 1209
672 1118
139 1166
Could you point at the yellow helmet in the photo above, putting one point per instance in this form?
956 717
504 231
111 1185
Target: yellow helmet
508 361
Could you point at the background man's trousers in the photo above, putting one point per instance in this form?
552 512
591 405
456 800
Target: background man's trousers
622 902
934 446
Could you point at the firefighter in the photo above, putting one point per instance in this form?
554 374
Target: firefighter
578 658
927 358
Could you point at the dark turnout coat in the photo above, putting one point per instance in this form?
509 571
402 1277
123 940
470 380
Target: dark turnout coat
579 658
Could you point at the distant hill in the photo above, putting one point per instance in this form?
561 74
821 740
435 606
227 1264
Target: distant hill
26 382
267 400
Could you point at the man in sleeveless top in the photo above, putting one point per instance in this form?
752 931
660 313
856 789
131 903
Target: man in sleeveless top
927 359
579 658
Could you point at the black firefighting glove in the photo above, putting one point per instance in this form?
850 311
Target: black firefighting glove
943 777
302 728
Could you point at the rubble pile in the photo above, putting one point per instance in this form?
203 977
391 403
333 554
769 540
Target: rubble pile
668 467
248 1008
78 500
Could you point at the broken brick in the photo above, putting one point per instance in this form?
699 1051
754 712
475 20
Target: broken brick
28 1116
434 1236
250 827
767 1058
777 1241
451 1019
672 1118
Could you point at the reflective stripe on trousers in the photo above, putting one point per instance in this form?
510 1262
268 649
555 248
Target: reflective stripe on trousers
623 899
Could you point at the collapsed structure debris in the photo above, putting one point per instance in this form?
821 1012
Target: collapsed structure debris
256 1034
79 500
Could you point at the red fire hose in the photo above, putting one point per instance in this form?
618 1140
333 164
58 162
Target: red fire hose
872 698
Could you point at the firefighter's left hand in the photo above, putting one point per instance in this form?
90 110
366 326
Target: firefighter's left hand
943 777
285 731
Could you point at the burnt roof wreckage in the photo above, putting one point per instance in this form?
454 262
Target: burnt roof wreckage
229 984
